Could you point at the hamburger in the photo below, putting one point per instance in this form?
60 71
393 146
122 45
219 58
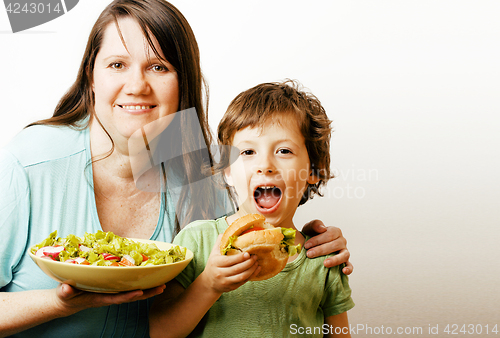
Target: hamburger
272 245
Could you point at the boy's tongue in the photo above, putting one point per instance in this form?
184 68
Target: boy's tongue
267 198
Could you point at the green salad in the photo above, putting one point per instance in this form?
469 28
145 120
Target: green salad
105 249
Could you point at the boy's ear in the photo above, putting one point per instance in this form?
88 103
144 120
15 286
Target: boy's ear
227 176
312 179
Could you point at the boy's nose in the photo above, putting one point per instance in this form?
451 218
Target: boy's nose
265 166
266 171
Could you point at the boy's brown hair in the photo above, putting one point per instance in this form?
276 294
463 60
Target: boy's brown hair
270 101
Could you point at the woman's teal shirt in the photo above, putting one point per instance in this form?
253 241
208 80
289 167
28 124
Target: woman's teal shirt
46 184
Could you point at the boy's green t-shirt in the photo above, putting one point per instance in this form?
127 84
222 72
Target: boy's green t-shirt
300 296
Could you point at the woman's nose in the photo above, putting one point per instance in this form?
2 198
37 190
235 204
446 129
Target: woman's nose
137 83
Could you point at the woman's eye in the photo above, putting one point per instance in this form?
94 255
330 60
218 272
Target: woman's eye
159 68
116 65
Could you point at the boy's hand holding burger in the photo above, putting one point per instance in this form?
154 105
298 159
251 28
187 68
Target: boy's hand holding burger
227 273
249 250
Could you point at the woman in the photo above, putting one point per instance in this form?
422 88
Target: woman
73 172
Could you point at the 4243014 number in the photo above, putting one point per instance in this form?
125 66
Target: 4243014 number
33 8
473 329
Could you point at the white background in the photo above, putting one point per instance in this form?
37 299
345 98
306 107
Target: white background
413 90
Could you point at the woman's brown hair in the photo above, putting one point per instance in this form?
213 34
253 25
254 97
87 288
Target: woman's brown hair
159 20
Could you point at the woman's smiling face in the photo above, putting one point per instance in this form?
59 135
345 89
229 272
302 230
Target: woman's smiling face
132 86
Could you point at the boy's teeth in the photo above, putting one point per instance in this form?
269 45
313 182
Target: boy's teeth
268 187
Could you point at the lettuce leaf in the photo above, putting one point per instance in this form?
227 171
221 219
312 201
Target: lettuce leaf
229 244
49 241
288 241
107 242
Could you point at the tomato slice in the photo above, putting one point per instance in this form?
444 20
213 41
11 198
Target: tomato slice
109 257
251 229
50 251
77 260
126 261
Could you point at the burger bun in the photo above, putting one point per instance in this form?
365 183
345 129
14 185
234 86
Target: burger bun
265 244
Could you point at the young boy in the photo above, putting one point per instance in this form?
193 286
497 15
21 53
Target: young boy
283 137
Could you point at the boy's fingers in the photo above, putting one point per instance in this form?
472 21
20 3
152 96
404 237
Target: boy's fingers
243 276
232 265
256 272
244 265
230 260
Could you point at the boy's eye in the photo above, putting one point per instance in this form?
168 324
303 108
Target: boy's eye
284 151
247 152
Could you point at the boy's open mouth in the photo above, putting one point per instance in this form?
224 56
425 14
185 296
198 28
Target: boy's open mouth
267 198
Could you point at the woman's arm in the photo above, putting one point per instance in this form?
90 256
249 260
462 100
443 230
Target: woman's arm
327 240
182 311
26 309
338 326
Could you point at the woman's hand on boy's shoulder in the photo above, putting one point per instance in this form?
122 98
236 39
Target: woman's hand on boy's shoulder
326 240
